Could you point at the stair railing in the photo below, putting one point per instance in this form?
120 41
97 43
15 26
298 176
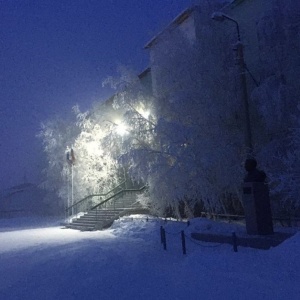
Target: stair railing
89 201
111 201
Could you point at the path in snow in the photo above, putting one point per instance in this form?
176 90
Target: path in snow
128 262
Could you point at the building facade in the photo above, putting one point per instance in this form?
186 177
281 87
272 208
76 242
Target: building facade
204 52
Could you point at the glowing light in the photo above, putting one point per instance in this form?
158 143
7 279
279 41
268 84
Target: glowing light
144 113
92 148
122 129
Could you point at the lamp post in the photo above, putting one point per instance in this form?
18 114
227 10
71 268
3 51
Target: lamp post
219 16
71 161
256 201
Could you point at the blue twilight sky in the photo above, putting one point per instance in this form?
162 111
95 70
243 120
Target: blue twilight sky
54 54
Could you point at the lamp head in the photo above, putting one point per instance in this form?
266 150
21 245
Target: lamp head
218 16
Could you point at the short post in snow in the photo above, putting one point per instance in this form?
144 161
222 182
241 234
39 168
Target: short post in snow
183 242
161 235
234 242
164 239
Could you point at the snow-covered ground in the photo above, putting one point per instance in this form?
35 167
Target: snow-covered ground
40 260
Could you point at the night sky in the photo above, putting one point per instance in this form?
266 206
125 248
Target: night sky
55 54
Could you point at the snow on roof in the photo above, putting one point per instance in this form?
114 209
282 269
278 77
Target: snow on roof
185 15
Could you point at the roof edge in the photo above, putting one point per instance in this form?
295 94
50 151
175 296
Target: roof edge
176 21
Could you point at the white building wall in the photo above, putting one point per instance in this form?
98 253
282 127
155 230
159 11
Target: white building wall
164 46
270 33
187 28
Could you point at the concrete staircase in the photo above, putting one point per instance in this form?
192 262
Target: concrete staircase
103 215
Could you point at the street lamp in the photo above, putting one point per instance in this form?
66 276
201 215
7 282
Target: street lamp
122 129
71 160
256 201
219 16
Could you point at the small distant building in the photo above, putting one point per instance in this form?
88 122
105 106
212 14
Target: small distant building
26 200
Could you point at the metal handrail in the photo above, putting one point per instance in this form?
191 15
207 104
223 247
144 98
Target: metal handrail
117 194
91 196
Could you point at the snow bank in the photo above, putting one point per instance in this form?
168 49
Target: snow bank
127 261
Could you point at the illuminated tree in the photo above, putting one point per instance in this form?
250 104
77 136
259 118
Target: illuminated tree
57 134
186 140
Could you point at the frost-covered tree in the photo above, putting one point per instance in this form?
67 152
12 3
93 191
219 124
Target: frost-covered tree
186 139
197 139
57 134
284 174
276 100
204 140
95 168
189 148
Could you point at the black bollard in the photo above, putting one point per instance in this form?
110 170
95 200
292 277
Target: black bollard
161 235
183 242
164 239
234 242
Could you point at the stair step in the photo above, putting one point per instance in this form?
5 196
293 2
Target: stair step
95 219
84 222
102 213
105 211
81 227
